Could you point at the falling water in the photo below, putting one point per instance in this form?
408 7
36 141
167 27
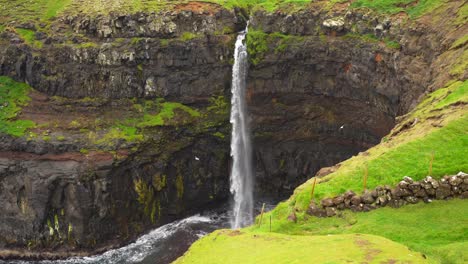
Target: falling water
241 153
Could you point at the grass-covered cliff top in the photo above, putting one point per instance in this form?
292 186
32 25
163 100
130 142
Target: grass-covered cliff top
45 10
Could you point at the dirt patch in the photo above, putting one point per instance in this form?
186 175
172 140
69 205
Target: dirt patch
199 7
370 252
234 233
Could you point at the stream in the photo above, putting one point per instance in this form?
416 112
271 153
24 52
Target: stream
161 245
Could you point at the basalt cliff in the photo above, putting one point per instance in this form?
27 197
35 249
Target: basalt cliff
128 112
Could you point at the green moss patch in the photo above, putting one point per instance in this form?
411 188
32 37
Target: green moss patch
374 39
166 113
13 96
29 37
259 43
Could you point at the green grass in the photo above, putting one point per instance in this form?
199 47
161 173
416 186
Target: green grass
373 39
31 11
54 7
29 37
166 113
414 8
186 36
13 96
259 43
227 246
127 133
462 16
460 42
268 5
428 228
461 65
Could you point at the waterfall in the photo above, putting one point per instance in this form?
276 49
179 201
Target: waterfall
241 153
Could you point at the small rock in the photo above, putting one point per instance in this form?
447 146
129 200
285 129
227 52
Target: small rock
349 194
400 192
464 195
455 181
338 200
315 210
414 187
355 200
462 175
292 217
421 193
330 211
427 200
464 186
403 184
456 190
443 191
408 179
336 23
367 197
412 199
397 203
382 200
327 202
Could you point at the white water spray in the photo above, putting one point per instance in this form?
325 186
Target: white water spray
241 153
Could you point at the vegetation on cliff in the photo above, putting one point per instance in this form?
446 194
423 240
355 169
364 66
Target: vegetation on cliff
13 96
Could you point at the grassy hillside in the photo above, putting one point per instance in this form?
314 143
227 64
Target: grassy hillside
227 246
438 230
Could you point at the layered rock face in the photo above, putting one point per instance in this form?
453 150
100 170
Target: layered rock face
313 102
326 94
72 183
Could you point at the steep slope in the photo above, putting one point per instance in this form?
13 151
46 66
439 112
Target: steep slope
437 230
